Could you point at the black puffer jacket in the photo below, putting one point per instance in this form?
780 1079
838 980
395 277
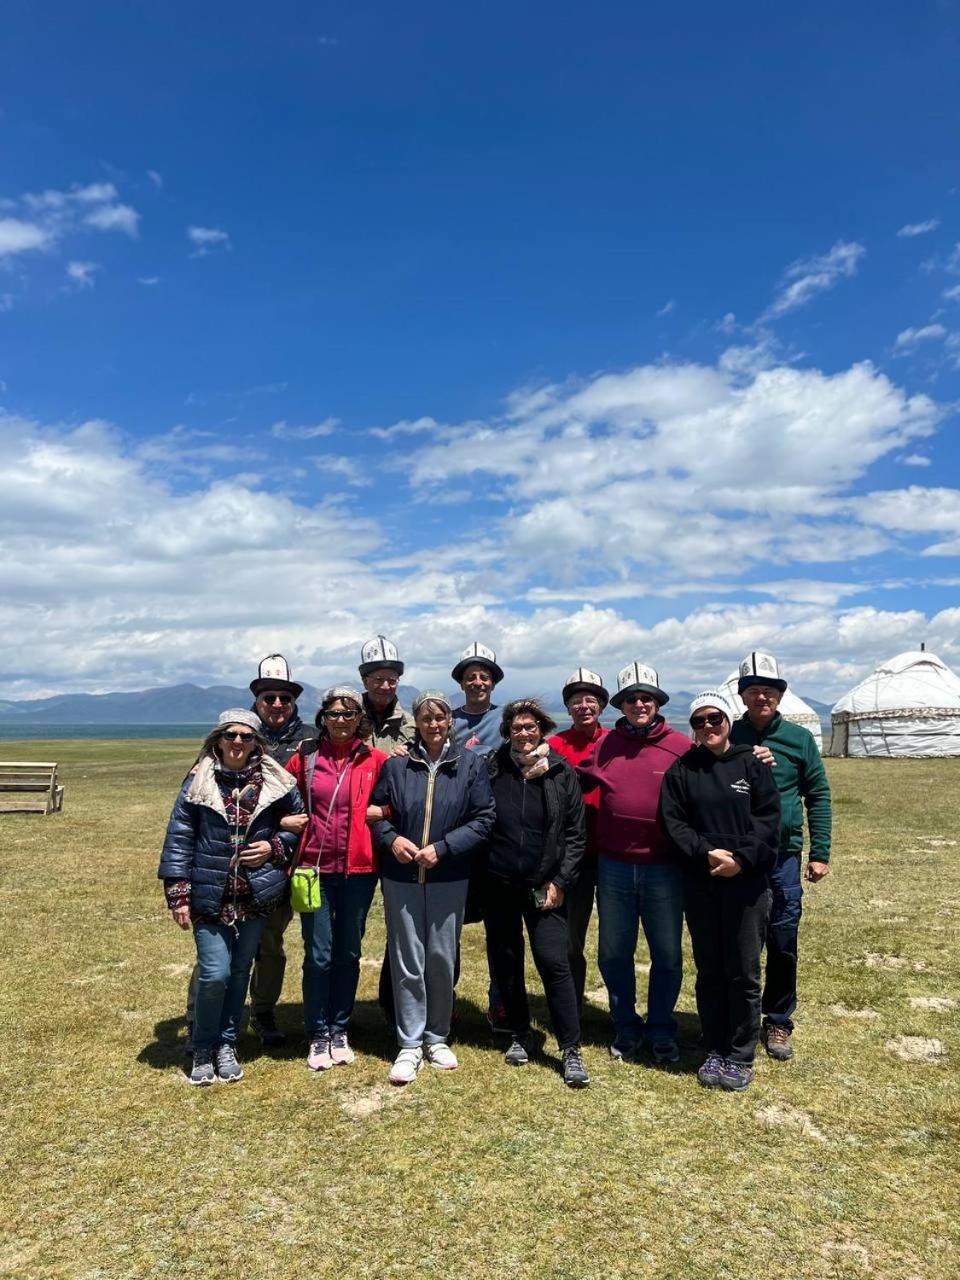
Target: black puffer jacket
564 832
198 848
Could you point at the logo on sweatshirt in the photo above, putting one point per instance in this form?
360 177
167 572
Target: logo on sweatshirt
742 786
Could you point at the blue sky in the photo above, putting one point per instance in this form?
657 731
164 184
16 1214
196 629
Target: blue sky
589 335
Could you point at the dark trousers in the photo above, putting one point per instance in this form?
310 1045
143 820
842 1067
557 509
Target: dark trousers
579 909
783 927
727 919
507 908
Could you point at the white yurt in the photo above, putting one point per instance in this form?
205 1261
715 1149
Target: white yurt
909 706
792 708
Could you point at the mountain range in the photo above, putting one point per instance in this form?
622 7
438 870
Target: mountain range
192 704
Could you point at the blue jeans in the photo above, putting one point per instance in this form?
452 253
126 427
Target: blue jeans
331 952
224 959
783 927
629 895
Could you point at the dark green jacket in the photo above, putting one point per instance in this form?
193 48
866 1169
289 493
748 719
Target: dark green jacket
801 780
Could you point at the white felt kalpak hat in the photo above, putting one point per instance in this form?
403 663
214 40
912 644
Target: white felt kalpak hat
638 678
760 668
477 654
583 680
379 653
274 673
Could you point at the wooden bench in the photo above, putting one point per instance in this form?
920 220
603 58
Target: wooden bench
26 779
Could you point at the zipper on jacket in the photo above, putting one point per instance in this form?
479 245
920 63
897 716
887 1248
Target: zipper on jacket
427 817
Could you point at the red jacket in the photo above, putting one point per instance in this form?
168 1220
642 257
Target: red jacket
628 768
576 746
366 764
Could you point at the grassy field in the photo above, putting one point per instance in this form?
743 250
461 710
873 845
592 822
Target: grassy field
843 1163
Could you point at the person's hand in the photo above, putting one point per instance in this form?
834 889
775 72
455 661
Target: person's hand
723 863
427 857
256 854
404 850
553 897
294 822
817 870
374 812
764 755
181 917
401 749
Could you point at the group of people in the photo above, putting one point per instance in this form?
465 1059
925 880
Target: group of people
472 812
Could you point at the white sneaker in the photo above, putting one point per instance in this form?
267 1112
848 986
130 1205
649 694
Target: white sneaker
441 1056
406 1067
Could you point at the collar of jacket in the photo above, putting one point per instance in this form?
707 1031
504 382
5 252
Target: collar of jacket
204 790
654 733
416 755
499 760
393 716
765 732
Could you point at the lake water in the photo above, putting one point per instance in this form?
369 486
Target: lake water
62 732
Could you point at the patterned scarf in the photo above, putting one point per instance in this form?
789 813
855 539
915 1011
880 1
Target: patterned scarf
532 764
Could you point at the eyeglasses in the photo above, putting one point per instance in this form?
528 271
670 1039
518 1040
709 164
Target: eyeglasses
584 702
524 728
283 698
390 681
340 715
431 720
646 698
237 736
714 719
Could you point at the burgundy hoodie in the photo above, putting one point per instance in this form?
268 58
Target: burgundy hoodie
628 768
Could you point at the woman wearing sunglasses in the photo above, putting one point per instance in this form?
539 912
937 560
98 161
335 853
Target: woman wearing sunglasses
224 867
720 808
336 774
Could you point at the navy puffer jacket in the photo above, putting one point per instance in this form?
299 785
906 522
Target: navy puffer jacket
452 809
197 845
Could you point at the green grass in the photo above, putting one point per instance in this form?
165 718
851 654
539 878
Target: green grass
842 1163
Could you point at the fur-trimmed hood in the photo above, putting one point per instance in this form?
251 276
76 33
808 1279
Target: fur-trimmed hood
277 782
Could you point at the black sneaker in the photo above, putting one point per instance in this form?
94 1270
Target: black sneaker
518 1055
202 1071
228 1068
265 1026
665 1052
498 1021
574 1072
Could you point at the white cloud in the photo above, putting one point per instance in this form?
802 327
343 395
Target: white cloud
150 281
913 229
807 277
336 464
283 431
17 236
907 339
114 217
667 307
155 178
82 273
6 304
916 460
206 239
952 294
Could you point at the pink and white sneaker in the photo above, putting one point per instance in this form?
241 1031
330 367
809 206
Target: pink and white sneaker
319 1058
340 1050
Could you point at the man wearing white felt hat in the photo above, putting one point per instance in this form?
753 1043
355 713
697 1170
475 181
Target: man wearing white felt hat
476 724
380 671
638 882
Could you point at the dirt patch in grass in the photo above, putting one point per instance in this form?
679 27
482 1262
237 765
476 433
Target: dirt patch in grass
841 1011
936 1004
783 1116
916 1048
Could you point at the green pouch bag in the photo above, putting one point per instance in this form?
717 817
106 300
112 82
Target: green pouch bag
305 895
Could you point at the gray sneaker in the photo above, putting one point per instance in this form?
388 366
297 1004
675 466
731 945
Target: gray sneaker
736 1076
202 1072
574 1072
228 1068
709 1074
776 1041
624 1050
665 1052
518 1055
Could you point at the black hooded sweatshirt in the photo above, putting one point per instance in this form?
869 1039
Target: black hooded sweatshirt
721 802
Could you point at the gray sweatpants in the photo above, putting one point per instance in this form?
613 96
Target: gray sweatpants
423 930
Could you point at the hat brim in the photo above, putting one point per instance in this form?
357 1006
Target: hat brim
582 687
661 697
746 682
284 686
366 667
495 670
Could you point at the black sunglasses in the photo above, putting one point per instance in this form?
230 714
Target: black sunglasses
341 715
283 698
237 736
715 719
